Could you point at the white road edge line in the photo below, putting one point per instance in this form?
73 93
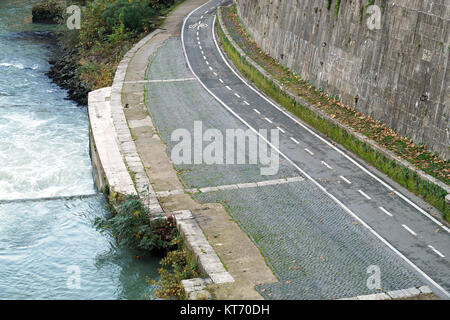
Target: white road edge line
345 179
409 230
385 211
325 141
436 251
362 222
365 195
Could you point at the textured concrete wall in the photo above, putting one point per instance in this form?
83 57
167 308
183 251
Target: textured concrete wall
400 72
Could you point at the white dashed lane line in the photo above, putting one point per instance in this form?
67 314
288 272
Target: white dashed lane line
365 195
309 151
436 251
246 103
257 111
409 230
345 179
387 212
295 140
237 95
210 68
268 120
228 88
327 165
281 130
221 80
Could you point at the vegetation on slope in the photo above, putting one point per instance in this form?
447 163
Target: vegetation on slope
109 28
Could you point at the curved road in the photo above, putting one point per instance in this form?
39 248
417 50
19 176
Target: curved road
397 221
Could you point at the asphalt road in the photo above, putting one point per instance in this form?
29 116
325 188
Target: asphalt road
396 218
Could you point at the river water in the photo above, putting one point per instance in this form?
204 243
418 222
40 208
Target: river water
49 247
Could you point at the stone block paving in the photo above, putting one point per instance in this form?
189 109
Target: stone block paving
314 247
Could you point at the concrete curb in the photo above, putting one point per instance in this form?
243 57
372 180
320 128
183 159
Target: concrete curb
397 294
388 154
205 255
195 240
125 141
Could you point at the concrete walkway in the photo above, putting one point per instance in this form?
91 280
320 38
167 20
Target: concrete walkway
237 252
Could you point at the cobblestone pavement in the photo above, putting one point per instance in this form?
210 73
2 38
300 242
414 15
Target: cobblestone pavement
314 247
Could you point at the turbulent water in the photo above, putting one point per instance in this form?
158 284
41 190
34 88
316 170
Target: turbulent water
47 238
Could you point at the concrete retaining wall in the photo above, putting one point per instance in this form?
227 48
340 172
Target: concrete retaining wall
400 73
109 167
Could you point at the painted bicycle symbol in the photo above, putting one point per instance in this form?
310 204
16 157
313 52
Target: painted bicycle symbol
198 25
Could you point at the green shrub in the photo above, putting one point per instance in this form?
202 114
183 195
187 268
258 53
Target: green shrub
128 15
131 227
178 265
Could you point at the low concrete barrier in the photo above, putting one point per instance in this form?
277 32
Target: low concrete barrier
111 174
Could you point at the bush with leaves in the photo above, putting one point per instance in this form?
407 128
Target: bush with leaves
179 265
131 227
125 15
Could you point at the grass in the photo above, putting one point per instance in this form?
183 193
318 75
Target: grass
402 147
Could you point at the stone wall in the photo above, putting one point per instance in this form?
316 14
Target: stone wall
400 73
